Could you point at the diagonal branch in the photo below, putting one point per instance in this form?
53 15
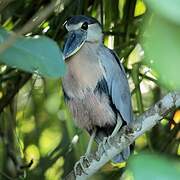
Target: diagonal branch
124 138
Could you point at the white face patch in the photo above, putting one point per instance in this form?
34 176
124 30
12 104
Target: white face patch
73 26
94 33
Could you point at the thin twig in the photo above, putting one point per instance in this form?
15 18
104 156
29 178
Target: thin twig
128 17
101 13
6 176
4 3
37 19
136 80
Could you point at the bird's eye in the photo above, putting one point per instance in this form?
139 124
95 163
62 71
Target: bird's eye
84 26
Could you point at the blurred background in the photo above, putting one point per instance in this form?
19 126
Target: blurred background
38 139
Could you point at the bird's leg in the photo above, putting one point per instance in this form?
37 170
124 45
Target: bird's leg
84 158
88 150
117 127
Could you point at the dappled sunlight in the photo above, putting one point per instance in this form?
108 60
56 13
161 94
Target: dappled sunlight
32 154
52 103
178 152
27 125
140 8
49 139
56 171
141 142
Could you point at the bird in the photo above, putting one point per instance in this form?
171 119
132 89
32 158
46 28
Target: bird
95 85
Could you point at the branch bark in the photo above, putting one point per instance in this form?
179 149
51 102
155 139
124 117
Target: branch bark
124 138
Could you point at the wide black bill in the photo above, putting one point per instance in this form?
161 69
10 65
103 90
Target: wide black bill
74 42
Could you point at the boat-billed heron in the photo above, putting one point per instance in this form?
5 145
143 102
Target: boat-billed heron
95 85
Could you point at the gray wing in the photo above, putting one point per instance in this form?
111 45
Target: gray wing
117 82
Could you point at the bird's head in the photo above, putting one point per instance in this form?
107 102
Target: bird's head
81 29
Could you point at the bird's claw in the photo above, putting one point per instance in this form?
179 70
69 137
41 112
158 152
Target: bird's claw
102 147
81 165
137 126
105 145
108 141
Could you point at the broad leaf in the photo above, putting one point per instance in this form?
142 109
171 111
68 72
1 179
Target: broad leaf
37 54
161 45
166 8
153 167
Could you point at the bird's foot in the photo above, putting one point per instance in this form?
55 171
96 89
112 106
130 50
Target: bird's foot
108 140
127 133
137 126
105 145
101 147
81 165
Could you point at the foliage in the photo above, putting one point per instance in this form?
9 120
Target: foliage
38 139
162 35
32 55
157 168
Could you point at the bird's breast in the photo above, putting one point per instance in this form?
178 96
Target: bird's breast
93 110
88 107
83 70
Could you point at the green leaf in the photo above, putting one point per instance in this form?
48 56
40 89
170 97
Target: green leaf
153 167
161 47
37 54
166 8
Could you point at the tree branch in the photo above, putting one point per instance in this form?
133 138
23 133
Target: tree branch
125 137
